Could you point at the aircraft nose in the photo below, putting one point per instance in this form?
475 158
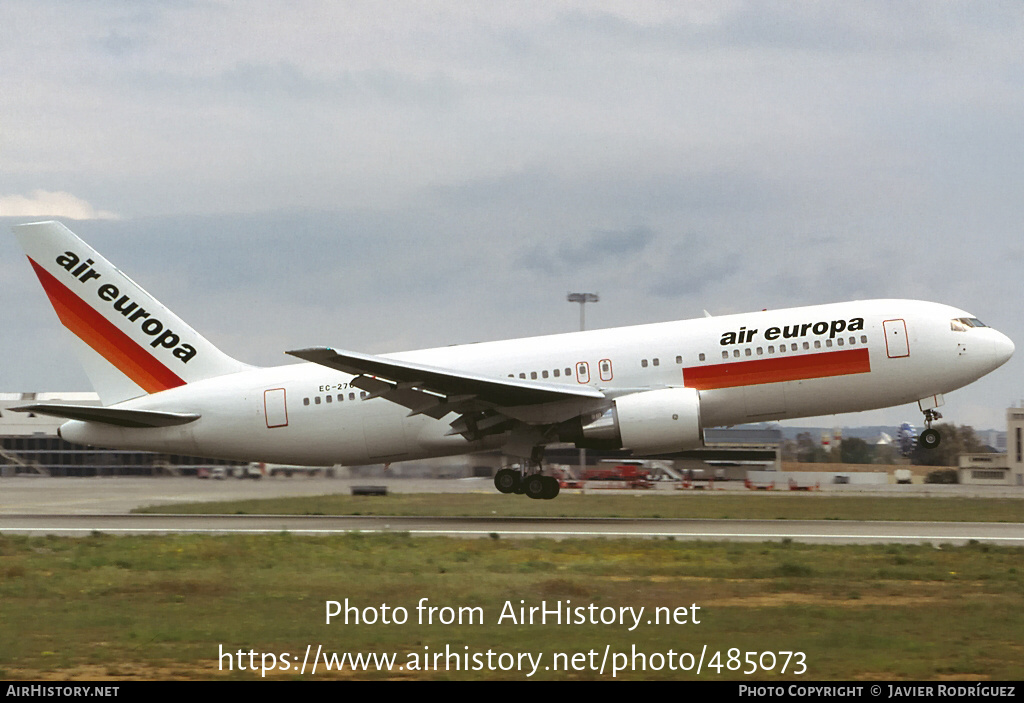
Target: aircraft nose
1003 347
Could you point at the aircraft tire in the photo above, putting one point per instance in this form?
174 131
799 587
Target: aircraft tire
507 481
536 487
929 439
552 488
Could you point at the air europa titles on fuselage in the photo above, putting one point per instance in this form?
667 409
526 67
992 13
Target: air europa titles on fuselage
162 337
832 329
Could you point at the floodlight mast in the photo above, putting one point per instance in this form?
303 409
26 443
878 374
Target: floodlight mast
583 299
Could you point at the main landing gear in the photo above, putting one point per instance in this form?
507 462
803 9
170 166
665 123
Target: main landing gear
536 485
930 438
528 478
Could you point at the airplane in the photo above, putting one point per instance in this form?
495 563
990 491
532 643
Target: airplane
651 388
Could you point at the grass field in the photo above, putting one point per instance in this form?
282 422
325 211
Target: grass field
162 607
702 505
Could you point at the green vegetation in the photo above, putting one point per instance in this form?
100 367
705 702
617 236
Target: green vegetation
160 607
956 440
699 505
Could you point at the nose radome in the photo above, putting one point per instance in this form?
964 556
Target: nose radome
1004 347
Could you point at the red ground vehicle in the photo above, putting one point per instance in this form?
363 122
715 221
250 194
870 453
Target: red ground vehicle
632 475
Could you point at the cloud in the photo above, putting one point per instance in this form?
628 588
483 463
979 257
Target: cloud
44 203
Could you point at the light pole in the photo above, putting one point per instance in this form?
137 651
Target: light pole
582 299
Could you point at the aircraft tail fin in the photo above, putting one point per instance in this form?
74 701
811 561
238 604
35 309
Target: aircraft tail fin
129 343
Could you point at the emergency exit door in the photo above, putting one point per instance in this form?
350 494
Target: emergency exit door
275 408
896 344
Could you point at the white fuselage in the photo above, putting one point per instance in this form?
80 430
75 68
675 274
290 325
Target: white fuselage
771 365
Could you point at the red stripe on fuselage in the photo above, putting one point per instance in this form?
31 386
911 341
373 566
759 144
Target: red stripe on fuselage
777 370
105 338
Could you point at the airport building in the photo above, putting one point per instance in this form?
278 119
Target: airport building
998 469
1015 446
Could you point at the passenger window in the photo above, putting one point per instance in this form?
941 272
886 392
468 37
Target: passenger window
305 401
760 351
747 351
329 398
680 358
341 397
533 375
655 362
725 355
828 342
543 374
807 345
556 373
839 341
863 339
643 363
771 348
317 400
735 353
817 344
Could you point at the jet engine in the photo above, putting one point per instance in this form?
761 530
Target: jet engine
648 423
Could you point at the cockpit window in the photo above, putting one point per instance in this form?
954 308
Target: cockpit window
961 324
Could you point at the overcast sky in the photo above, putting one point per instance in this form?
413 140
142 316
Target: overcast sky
386 176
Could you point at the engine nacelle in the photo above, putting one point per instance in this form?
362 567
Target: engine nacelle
650 422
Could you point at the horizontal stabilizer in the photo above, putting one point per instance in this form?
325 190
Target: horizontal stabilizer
120 417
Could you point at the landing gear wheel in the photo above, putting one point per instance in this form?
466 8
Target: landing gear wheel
553 488
537 486
929 439
507 481
542 487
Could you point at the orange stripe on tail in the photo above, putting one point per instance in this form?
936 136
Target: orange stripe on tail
127 355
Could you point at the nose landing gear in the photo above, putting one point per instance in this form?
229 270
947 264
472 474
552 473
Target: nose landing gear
930 439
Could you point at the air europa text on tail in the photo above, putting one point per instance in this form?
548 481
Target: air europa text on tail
162 336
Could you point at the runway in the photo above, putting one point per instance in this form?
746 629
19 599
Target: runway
110 496
811 531
78 507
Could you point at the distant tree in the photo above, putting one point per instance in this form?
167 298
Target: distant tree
789 450
885 454
808 450
856 451
955 441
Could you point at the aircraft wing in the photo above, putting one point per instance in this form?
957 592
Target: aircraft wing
484 403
